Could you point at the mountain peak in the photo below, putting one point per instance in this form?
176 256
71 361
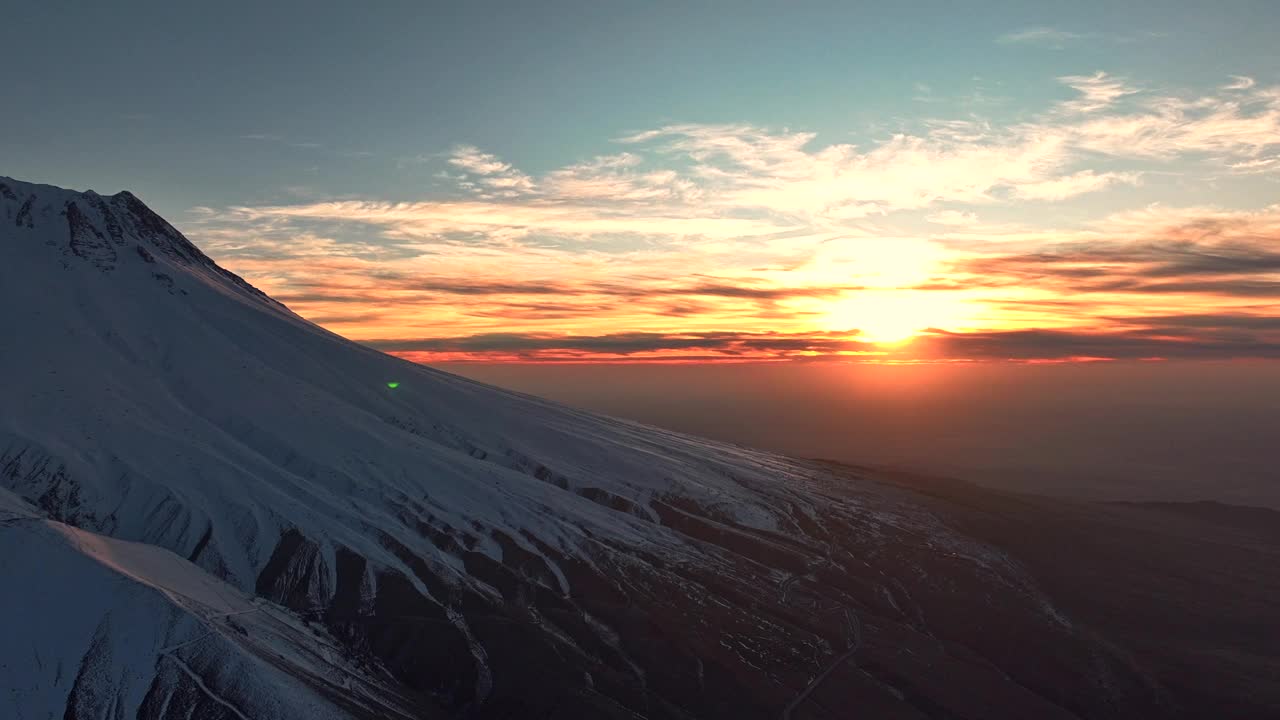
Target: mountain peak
83 229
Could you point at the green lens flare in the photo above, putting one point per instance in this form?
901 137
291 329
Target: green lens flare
393 385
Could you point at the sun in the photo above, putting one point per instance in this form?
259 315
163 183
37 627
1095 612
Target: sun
888 317
885 311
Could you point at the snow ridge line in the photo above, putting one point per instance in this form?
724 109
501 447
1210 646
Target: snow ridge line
205 688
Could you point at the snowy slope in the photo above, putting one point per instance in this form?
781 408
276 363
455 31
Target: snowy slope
222 402
153 632
497 554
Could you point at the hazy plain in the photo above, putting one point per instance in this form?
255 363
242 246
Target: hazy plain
1115 430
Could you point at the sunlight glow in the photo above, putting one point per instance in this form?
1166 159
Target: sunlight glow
889 317
882 262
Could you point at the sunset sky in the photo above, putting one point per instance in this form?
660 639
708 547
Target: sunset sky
701 181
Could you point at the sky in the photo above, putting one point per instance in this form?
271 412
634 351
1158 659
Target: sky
693 182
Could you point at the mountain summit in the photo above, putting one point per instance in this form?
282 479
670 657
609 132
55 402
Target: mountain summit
212 508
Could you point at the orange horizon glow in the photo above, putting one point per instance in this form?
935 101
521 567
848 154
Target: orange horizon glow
964 307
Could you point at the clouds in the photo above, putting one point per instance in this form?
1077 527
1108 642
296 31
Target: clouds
1235 126
500 221
1046 36
1192 337
497 178
785 172
1240 82
1084 345
1068 186
1157 282
1160 282
1059 39
628 346
953 217
730 168
1223 269
1097 91
735 180
470 158
733 240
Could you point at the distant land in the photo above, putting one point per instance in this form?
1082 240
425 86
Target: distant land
1181 431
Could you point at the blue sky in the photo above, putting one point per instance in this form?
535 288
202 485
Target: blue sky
854 155
144 94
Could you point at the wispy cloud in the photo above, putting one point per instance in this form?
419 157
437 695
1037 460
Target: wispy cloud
1067 186
1205 257
1089 344
1190 337
1097 91
1046 36
501 222
493 175
1169 127
1240 82
783 172
470 158
953 217
1059 39
630 346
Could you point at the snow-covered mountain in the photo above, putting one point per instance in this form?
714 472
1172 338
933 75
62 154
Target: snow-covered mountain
212 508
